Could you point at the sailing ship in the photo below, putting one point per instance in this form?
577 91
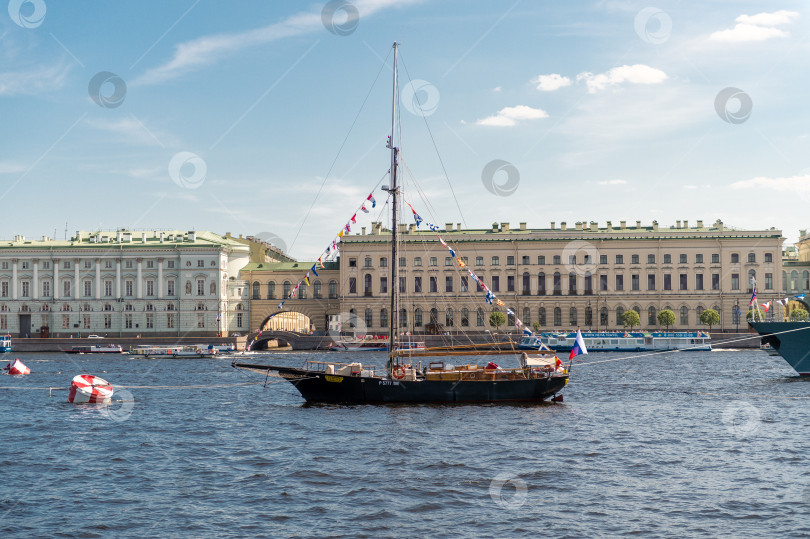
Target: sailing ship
540 375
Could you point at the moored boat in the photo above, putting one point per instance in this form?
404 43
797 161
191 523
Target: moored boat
96 349
618 341
5 344
189 352
791 340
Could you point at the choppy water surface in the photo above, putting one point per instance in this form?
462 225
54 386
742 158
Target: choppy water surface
692 444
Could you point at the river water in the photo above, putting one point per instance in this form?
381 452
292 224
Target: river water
701 444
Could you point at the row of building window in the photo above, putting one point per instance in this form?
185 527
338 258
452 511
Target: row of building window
557 283
481 319
108 264
66 307
557 259
108 288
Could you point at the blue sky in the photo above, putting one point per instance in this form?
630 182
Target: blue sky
227 116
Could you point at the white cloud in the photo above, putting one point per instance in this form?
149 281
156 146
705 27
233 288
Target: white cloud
509 116
497 89
636 74
613 182
34 81
793 184
757 27
134 131
11 168
208 49
549 83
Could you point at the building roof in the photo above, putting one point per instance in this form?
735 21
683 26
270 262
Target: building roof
129 239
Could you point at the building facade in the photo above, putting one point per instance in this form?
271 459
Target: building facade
560 277
123 283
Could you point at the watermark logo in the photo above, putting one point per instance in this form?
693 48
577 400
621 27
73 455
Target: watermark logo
420 98
187 170
741 418
120 408
340 17
100 83
273 239
349 324
653 25
27 13
493 177
580 257
733 116
508 491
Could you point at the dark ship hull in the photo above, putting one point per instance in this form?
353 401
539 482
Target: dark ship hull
790 339
317 386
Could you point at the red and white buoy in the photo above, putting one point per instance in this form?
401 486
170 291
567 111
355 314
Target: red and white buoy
88 388
17 367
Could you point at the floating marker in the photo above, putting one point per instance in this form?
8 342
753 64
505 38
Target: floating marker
17 367
88 388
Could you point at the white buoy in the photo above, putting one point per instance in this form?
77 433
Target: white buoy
88 388
17 367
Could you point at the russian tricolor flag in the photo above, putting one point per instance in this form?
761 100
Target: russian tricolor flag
579 347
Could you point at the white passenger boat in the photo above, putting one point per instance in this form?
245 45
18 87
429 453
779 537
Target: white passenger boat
151 352
618 341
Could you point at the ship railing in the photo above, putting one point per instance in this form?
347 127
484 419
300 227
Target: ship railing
322 366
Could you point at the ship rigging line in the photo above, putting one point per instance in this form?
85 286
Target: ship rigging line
439 155
688 348
342 145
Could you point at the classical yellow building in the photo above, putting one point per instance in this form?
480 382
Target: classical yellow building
560 277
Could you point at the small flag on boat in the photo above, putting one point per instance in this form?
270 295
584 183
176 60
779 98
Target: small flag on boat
280 305
518 323
499 303
527 332
753 296
313 268
579 347
306 278
490 296
340 235
363 208
510 311
417 219
461 263
766 306
354 218
452 252
373 202
800 296
348 227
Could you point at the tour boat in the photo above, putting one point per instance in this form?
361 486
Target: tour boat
5 344
535 378
97 349
372 345
189 352
622 341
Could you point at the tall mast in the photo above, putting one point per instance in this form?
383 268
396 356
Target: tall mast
394 190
